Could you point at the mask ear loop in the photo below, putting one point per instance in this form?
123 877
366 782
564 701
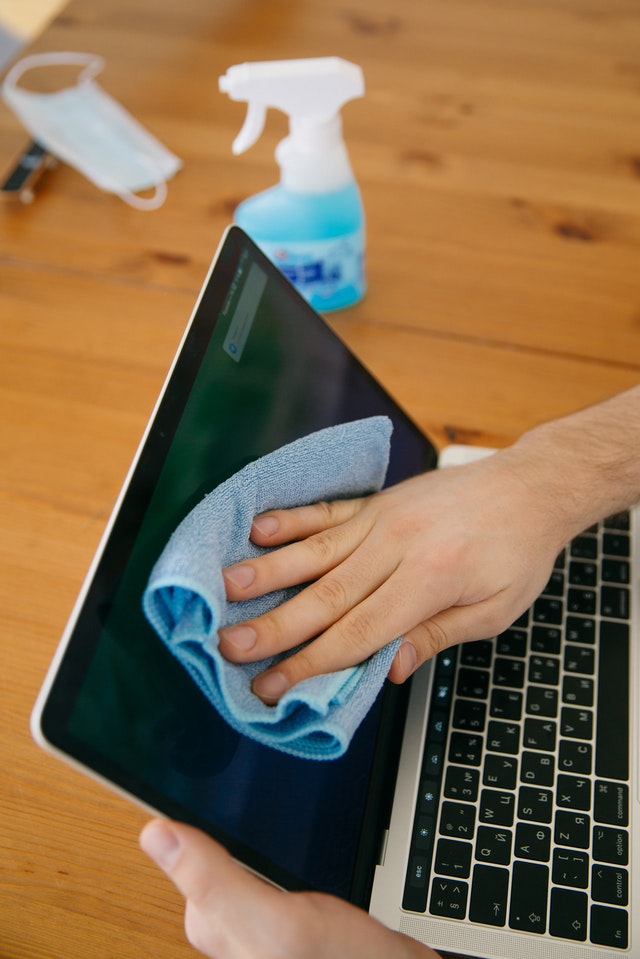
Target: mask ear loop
144 202
91 62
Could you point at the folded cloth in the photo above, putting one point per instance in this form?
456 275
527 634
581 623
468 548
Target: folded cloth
185 598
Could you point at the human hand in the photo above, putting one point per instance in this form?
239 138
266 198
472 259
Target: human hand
445 557
231 914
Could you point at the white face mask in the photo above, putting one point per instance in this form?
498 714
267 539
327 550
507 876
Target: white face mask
86 128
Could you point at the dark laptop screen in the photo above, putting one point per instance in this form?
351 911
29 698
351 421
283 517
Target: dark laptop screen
257 369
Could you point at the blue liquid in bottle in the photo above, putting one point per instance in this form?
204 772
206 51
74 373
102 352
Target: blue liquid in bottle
316 239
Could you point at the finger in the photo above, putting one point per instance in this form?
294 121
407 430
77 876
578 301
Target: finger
458 624
362 631
285 525
309 613
293 564
228 908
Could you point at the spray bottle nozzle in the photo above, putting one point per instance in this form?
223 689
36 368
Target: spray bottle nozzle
311 92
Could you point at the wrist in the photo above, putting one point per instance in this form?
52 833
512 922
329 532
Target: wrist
587 465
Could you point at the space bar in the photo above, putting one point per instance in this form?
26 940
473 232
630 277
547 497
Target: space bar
612 736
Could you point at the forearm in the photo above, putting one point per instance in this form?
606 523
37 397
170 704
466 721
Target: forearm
587 463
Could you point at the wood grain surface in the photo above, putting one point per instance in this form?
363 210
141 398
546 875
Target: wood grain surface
498 153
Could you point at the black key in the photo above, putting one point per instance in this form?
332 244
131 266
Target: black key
614 602
506 704
424 834
488 903
577 690
469 714
611 845
500 771
493 845
496 808
615 544
513 642
579 659
573 792
616 571
457 820
561 560
583 574
611 803
428 797
522 621
441 695
465 748
446 663
544 670
571 868
539 734
582 601
533 841
576 723
416 884
508 672
503 737
473 683
555 586
548 610
461 783
449 898
478 653
610 884
529 897
612 734
545 639
619 521
453 858
537 768
572 829
584 547
609 927
580 629
568 914
542 701
437 727
575 756
433 760
535 805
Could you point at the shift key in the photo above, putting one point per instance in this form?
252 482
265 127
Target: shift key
529 897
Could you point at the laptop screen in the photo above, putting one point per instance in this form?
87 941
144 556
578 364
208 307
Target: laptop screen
257 369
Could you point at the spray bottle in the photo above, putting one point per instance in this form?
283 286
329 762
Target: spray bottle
311 224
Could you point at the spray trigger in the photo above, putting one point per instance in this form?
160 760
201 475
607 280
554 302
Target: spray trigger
252 127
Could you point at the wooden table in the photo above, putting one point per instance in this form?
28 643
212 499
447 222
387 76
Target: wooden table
498 151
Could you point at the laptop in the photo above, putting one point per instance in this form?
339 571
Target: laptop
487 807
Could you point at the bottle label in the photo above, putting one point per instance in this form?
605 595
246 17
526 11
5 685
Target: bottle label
328 273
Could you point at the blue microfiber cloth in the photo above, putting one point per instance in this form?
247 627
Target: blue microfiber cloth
185 598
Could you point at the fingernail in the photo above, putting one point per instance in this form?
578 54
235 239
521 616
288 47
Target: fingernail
270 686
240 575
160 842
267 525
242 637
407 658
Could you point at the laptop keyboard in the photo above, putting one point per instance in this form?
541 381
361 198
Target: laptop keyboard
522 816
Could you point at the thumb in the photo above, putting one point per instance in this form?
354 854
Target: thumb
459 624
201 869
